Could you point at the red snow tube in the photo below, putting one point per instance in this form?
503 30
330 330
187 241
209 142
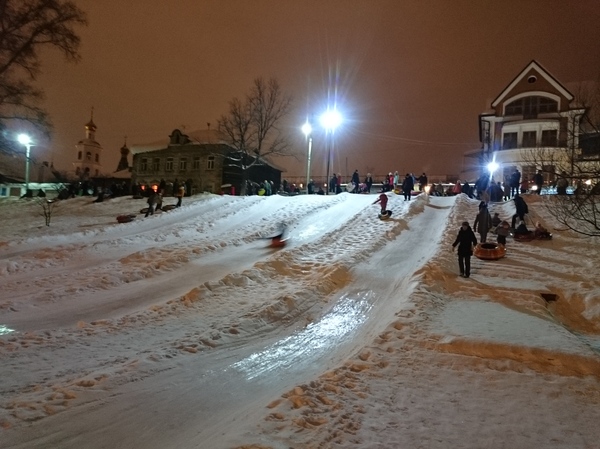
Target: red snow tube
125 218
278 243
489 251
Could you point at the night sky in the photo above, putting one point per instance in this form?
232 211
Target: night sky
410 77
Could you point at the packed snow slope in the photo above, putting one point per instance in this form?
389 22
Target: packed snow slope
185 329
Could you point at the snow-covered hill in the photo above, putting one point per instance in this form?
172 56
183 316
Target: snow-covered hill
184 329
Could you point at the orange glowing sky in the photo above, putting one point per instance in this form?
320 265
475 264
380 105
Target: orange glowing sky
411 76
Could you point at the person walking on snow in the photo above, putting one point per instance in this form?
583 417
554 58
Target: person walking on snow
180 193
521 209
407 186
465 240
483 222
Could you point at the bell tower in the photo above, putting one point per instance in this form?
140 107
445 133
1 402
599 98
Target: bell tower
88 162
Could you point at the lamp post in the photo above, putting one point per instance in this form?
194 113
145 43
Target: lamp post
24 139
307 130
330 120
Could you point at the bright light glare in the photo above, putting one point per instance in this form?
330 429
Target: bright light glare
307 129
492 167
24 139
331 119
588 182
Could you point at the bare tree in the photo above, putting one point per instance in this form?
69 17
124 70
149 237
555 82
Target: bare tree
575 164
27 26
47 207
252 126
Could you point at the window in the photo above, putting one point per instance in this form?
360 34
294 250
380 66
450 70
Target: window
78 171
196 163
530 107
183 164
97 157
549 138
88 156
155 164
169 164
547 105
210 163
144 164
529 139
509 141
79 155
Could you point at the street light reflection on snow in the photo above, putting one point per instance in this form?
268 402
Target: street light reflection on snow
5 330
322 336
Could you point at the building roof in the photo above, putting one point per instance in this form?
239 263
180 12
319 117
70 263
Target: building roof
198 137
542 72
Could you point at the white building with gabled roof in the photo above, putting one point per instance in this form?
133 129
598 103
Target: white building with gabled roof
533 111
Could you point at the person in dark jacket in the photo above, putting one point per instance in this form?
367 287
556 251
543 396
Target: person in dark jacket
521 209
483 222
369 182
465 240
407 186
355 181
538 180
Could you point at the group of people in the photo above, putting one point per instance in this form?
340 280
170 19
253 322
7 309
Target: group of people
155 198
484 224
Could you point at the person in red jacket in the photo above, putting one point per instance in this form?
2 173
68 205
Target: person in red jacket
383 199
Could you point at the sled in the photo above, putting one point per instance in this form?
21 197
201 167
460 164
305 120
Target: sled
528 237
278 242
386 216
125 218
489 251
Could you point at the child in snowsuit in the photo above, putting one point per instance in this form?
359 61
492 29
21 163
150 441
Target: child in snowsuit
383 199
465 240
503 231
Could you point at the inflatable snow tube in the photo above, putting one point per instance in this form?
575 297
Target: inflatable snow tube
386 216
489 251
278 243
125 218
528 237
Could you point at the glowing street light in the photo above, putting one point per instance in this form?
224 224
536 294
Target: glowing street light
24 139
330 120
492 167
307 130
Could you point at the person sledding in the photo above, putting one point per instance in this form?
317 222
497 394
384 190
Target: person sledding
280 238
383 199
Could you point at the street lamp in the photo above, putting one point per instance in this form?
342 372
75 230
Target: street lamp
330 120
24 139
307 130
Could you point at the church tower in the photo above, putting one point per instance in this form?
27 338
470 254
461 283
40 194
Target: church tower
123 163
89 162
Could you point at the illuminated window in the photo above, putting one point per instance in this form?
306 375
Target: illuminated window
210 163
